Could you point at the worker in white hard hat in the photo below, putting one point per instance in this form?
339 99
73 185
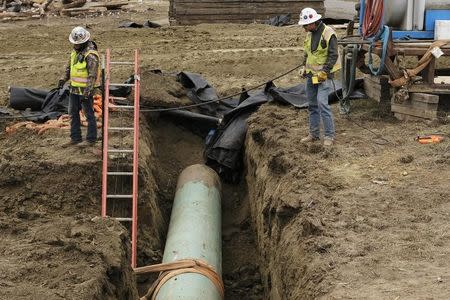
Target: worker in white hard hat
321 62
83 70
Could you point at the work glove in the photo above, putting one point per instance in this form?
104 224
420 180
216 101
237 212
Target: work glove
302 72
61 83
322 75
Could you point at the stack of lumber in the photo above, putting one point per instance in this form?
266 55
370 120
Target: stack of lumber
418 106
190 12
378 88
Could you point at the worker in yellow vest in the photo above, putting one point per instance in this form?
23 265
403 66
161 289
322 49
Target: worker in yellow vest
83 70
321 62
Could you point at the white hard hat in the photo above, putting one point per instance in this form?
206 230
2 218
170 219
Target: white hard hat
79 35
308 16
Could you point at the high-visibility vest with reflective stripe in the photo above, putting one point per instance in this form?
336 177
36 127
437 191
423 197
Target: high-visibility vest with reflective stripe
317 59
78 70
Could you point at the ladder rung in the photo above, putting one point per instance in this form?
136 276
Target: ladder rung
121 106
124 219
119 196
117 98
120 150
120 173
121 84
121 128
121 63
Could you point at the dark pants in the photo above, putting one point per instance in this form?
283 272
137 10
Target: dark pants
76 103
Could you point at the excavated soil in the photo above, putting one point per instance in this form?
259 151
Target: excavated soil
53 244
365 220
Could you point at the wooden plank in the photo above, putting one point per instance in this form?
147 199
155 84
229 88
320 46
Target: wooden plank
412 111
110 5
428 72
231 11
430 88
247 8
82 10
425 98
305 2
403 117
377 88
226 17
189 12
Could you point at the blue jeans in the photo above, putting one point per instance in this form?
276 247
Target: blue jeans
319 109
76 103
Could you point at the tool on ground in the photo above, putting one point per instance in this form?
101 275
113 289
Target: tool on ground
429 139
123 151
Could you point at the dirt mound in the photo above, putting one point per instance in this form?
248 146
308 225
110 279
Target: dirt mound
52 243
49 197
63 257
163 90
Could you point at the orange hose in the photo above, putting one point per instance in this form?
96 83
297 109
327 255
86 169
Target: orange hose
373 16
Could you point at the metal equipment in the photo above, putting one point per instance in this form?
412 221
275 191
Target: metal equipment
393 30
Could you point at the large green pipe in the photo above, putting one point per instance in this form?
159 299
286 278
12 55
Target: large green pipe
194 233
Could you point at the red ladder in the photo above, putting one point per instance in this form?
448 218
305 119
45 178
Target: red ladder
107 150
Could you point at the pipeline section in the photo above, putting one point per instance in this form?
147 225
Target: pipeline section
194 233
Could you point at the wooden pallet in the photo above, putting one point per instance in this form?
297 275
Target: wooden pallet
418 106
190 12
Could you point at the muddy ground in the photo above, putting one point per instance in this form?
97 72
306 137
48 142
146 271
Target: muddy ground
366 220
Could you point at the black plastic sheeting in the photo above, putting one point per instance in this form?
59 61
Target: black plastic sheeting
39 105
131 24
279 21
200 91
27 98
224 149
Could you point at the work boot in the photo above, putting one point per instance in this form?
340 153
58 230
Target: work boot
328 142
86 144
69 144
309 139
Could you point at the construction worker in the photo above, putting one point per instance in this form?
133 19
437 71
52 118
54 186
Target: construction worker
83 71
321 61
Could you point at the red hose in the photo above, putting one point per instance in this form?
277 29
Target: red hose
373 16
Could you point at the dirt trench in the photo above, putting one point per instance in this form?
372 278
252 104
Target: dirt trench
177 147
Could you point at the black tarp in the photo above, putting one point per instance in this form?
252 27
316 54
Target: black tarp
131 24
200 91
279 21
26 98
225 149
39 105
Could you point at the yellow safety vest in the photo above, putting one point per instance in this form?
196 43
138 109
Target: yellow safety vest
317 59
78 70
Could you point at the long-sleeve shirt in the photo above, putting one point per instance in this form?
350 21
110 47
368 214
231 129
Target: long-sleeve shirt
92 63
333 54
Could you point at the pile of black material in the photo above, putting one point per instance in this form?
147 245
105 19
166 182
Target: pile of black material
39 105
279 21
131 24
224 147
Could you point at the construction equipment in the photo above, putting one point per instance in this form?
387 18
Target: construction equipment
394 30
108 150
